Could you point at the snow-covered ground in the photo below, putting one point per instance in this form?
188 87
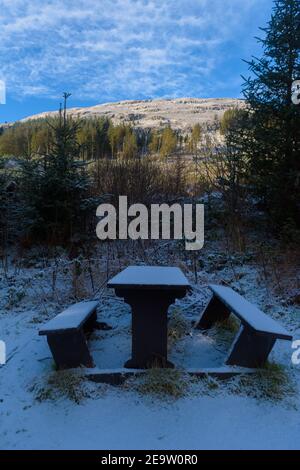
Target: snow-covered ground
232 414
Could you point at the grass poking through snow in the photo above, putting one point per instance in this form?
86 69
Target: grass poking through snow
178 327
271 383
163 383
61 384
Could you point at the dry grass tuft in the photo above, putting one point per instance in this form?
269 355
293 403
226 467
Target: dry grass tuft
163 383
178 327
62 384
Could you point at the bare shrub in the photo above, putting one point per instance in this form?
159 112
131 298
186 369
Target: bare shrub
141 180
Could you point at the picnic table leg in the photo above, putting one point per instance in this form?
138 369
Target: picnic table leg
214 311
149 327
70 350
250 349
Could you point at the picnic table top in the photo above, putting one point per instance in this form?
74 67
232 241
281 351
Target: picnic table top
150 277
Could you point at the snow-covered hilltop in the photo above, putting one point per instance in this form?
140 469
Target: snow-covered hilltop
179 113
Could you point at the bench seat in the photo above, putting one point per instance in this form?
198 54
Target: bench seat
258 332
249 313
71 319
66 335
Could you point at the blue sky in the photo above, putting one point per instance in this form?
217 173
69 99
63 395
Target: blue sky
111 50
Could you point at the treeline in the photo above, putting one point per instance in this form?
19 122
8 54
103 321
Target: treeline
98 138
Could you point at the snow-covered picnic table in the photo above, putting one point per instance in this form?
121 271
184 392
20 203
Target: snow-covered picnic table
149 290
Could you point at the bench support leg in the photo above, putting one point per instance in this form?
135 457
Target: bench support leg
250 349
214 311
91 323
70 350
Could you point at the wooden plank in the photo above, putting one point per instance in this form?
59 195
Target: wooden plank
119 376
249 313
70 319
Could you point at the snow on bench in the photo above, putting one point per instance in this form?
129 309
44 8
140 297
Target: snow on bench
66 335
258 332
249 313
72 318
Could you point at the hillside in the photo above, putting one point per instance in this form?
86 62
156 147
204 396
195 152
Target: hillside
180 113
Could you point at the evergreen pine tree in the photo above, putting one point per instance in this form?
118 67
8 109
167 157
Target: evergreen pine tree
272 144
55 186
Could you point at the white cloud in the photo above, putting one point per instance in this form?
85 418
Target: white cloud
107 49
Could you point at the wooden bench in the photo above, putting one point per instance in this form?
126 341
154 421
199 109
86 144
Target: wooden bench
66 335
258 331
